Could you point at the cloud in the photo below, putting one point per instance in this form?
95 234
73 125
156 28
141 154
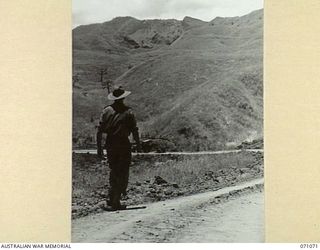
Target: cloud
93 11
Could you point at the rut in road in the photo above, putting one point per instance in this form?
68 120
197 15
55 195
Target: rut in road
167 221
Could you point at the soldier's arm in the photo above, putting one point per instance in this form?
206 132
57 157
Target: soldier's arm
99 137
99 143
135 130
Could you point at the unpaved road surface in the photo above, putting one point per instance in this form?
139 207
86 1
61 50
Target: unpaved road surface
231 214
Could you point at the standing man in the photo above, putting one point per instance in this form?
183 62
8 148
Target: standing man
118 122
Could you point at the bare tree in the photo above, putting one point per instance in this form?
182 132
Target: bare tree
105 83
102 73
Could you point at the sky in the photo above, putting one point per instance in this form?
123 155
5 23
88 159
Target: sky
98 11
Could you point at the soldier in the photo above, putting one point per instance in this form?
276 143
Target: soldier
118 122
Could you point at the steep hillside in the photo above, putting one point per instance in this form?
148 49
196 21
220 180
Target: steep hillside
197 84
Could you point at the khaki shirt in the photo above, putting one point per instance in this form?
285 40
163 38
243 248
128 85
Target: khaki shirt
118 124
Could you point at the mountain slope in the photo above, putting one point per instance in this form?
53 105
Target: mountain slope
197 84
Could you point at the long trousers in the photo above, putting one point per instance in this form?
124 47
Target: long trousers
119 159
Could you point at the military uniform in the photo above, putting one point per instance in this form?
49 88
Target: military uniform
118 122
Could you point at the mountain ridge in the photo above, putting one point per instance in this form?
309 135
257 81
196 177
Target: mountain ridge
170 66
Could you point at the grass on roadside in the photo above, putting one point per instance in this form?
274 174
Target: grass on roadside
187 169
90 174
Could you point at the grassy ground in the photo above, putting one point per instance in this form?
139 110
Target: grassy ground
182 175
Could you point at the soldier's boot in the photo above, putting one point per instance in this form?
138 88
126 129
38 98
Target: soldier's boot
116 205
109 202
110 196
115 202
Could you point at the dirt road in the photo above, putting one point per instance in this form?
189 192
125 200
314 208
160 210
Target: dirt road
231 214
